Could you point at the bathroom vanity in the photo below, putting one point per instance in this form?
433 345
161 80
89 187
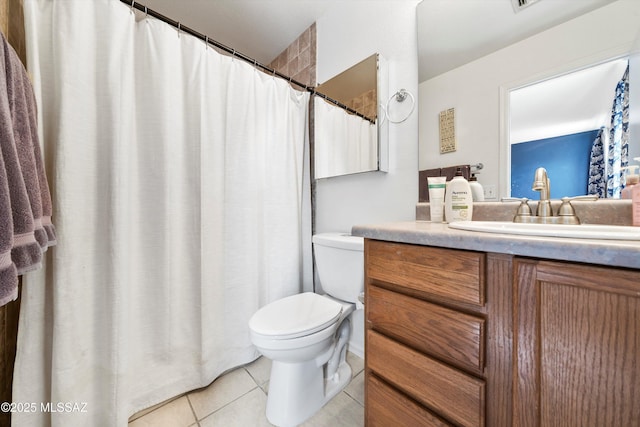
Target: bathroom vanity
477 329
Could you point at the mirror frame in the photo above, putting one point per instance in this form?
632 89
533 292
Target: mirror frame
504 159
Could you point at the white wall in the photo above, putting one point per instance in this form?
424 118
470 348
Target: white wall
347 34
474 89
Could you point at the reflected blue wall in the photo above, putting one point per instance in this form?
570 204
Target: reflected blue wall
566 159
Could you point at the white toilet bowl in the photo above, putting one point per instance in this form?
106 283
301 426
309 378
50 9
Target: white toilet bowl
315 335
306 335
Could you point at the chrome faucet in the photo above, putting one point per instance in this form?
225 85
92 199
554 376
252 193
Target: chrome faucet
542 184
544 213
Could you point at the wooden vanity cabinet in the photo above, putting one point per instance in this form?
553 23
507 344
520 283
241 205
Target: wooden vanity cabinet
463 338
428 343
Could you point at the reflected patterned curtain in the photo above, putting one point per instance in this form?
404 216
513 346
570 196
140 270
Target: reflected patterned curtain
596 166
605 164
618 155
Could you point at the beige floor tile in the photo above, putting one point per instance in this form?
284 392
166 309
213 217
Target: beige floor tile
152 408
341 411
356 363
260 370
221 392
249 410
176 413
236 400
355 388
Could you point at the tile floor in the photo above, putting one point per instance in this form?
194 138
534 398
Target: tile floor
239 398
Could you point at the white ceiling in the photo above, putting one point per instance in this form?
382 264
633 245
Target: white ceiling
260 29
454 32
572 103
451 32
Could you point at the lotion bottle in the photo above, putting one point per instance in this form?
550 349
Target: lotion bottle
437 185
458 202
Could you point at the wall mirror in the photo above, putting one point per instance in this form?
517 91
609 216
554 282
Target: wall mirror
556 122
350 133
480 90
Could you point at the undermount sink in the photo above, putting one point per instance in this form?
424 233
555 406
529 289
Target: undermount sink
583 231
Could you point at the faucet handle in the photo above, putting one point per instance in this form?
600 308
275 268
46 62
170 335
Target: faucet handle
566 208
514 199
523 210
589 197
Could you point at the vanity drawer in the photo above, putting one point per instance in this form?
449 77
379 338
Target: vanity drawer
450 335
455 395
449 274
386 406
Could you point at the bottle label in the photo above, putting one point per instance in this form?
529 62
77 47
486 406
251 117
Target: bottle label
460 205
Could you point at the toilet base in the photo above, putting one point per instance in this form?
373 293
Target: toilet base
298 390
335 385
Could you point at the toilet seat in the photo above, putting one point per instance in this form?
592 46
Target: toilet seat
295 316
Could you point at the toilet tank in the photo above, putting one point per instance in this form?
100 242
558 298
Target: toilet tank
340 264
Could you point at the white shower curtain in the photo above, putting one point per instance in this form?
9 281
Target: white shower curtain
181 202
344 142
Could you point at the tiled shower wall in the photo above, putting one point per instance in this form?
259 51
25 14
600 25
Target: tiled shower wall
365 104
298 60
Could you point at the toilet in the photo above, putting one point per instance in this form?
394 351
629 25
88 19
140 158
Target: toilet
306 335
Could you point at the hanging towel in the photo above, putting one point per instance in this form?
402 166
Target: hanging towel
8 273
46 208
22 105
25 211
26 253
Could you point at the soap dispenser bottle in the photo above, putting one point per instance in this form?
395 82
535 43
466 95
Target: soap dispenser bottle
458 202
477 192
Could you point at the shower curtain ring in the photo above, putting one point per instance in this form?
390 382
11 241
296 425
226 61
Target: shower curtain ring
146 12
206 41
133 4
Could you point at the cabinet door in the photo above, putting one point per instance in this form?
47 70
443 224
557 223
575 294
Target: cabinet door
577 345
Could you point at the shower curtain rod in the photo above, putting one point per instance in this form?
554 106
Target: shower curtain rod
236 54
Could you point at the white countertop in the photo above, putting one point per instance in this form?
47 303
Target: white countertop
604 252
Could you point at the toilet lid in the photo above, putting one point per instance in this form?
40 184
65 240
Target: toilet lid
295 316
